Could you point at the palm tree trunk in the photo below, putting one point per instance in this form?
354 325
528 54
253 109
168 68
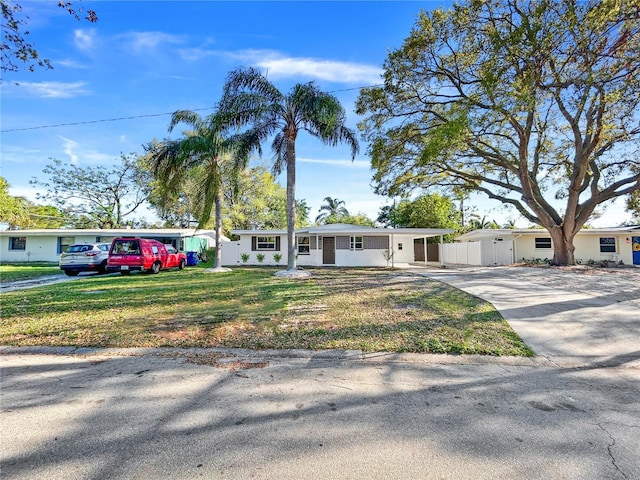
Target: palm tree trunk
291 206
217 263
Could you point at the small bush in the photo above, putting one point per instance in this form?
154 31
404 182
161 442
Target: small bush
260 257
244 257
277 257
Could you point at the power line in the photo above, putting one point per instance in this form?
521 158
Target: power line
98 121
149 115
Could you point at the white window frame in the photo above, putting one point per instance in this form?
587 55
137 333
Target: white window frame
304 248
542 239
607 245
265 243
355 244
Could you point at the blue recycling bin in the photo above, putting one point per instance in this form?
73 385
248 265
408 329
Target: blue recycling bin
192 259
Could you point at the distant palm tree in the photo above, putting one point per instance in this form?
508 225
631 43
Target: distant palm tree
204 147
251 100
333 209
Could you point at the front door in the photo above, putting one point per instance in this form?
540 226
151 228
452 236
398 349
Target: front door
635 247
329 250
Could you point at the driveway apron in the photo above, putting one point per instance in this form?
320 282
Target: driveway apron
574 314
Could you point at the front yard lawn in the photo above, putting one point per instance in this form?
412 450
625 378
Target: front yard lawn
363 309
11 272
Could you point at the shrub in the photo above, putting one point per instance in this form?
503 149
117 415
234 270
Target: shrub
260 257
244 257
277 257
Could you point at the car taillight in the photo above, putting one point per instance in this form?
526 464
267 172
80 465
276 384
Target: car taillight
91 254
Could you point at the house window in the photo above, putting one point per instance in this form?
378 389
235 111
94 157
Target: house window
303 245
64 243
17 243
356 243
607 245
542 242
266 243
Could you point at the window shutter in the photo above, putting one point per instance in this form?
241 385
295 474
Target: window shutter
278 243
253 243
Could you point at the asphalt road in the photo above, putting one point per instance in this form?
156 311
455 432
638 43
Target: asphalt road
128 414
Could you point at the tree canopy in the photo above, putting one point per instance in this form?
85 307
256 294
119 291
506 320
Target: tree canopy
252 102
15 48
102 197
535 104
332 211
426 211
20 213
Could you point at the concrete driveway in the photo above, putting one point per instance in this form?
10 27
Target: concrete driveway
579 315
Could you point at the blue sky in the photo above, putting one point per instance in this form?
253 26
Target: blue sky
146 59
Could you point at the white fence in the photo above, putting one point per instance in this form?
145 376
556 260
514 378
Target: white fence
478 253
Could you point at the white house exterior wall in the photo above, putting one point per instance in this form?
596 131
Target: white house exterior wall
232 253
587 247
44 248
37 249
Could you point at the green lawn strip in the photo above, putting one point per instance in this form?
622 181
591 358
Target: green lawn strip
364 308
11 272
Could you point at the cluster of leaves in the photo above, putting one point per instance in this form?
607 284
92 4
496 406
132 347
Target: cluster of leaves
14 47
96 197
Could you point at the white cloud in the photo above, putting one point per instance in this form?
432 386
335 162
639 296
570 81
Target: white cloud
51 89
277 65
69 146
337 163
84 39
331 71
68 63
78 154
143 42
28 192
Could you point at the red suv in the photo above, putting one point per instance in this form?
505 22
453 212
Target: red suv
129 253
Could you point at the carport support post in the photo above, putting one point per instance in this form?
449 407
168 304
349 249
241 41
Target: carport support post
424 247
393 263
440 250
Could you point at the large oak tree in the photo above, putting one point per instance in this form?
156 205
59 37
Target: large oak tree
534 103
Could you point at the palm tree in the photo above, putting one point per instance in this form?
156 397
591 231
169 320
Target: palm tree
205 148
251 100
333 209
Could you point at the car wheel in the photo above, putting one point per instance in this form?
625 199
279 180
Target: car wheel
103 267
155 268
181 265
71 273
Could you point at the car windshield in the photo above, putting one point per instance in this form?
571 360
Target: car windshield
126 247
104 247
79 248
171 249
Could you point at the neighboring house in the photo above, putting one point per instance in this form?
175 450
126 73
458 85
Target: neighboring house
335 245
504 247
46 245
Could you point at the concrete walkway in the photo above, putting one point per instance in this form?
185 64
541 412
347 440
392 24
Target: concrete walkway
577 315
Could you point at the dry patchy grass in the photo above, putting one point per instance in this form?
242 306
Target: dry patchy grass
337 308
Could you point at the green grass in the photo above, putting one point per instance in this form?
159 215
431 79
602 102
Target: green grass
365 309
11 272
